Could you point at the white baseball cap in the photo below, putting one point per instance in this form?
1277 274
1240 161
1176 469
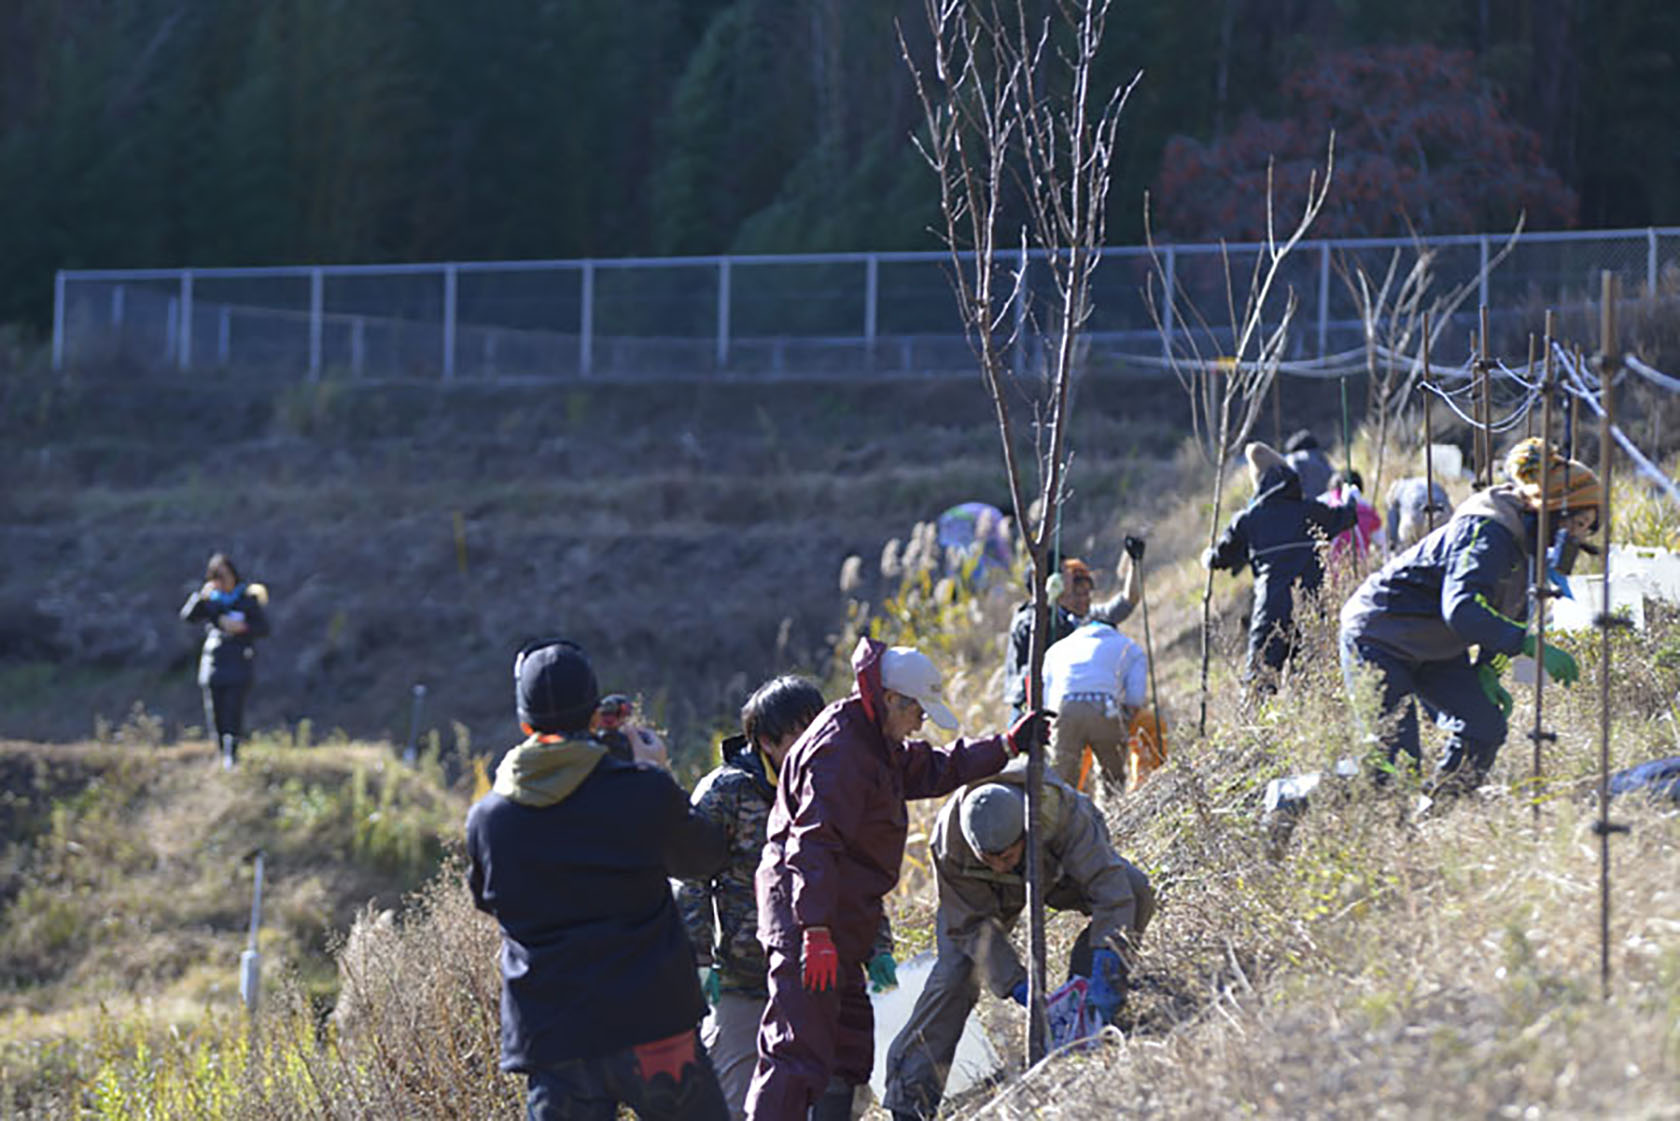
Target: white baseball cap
904 669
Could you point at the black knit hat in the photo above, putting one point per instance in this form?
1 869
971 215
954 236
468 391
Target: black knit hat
554 686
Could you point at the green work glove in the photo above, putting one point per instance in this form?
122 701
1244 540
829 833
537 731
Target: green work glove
883 973
710 986
1560 666
1497 693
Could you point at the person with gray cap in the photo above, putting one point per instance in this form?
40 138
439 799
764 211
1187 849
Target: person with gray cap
978 849
833 847
572 851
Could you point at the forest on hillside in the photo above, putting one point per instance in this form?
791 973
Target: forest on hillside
206 132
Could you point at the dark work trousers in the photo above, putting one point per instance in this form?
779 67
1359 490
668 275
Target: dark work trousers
224 710
668 1080
808 1038
1271 643
1449 688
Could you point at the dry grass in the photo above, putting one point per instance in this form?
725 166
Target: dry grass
1387 965
127 891
1383 964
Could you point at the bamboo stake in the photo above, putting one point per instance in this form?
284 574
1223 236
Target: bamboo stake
1484 368
1574 415
1476 457
1610 363
1528 424
1428 435
1277 412
1542 587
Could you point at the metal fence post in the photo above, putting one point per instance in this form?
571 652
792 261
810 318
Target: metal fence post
119 298
1650 264
317 297
586 320
722 355
358 345
1170 303
1324 300
449 322
224 334
1482 247
871 302
183 351
58 320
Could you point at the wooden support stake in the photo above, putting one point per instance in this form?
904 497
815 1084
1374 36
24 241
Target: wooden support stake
1485 368
1609 365
1542 588
1428 435
1528 425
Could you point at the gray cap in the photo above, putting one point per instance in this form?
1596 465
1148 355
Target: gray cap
993 817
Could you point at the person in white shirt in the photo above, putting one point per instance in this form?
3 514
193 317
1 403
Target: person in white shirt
1095 680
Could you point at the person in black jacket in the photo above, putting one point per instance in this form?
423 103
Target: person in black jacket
234 616
1072 607
1277 535
571 852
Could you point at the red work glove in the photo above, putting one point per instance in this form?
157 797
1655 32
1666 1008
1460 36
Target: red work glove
1032 728
822 960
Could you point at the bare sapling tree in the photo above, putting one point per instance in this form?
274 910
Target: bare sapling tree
1227 386
1393 314
1021 142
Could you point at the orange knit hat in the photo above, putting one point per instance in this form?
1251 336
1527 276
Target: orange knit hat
1570 484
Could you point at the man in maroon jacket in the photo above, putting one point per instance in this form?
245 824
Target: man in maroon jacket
835 841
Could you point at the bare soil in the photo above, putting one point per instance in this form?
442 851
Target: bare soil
689 534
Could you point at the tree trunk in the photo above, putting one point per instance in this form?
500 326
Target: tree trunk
1213 538
1038 1027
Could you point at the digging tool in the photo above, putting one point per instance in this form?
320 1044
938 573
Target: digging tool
250 962
1134 549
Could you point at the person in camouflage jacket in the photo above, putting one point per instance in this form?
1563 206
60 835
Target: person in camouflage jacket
721 913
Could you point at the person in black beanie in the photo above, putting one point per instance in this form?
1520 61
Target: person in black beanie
572 851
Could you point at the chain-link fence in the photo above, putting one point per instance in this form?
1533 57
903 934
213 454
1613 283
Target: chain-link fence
831 315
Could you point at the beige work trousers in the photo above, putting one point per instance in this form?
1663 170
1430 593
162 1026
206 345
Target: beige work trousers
730 1033
1086 723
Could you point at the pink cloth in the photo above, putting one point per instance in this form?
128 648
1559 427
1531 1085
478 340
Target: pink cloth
1366 526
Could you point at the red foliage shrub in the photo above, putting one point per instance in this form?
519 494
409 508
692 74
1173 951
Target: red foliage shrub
1419 137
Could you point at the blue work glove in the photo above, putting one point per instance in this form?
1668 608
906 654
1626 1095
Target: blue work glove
883 973
1497 693
1560 666
710 986
1108 983
1019 993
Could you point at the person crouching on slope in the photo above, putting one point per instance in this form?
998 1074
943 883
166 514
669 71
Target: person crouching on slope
1466 584
721 913
1095 681
979 852
835 842
570 851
